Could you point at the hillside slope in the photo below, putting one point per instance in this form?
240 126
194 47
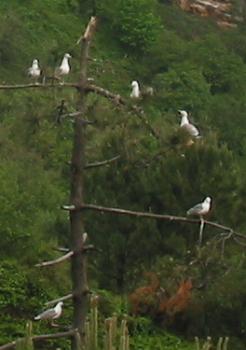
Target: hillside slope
191 65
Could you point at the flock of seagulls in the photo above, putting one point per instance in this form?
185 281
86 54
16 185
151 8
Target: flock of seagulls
200 209
192 131
34 72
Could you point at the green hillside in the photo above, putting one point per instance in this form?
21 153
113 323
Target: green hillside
191 65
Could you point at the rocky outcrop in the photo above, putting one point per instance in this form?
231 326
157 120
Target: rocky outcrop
222 11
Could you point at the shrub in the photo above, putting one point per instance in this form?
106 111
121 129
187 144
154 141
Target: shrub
134 21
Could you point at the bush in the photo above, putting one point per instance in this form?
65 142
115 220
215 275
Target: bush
134 21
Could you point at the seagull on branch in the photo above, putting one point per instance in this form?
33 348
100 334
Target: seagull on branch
190 129
34 71
64 68
135 90
201 209
51 314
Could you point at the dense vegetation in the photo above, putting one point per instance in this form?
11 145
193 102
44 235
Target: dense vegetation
191 65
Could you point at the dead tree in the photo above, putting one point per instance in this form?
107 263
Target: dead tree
77 206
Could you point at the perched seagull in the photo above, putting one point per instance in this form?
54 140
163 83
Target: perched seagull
64 68
135 90
51 314
187 126
201 209
34 71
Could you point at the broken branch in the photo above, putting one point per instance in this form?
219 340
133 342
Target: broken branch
89 31
56 261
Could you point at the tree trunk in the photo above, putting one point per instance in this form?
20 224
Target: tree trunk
78 264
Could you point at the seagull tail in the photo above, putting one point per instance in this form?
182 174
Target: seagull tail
36 318
189 212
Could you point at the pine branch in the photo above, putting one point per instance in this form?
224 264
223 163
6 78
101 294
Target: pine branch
139 214
104 162
42 337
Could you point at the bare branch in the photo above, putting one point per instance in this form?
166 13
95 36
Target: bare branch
66 297
76 114
239 242
69 207
62 249
104 162
37 338
56 261
90 247
118 100
37 86
151 216
224 239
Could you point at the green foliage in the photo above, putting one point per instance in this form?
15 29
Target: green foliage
134 21
145 337
183 86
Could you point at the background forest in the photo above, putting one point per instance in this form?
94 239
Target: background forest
191 65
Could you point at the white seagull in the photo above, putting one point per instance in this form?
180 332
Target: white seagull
51 314
201 209
34 71
187 126
64 68
84 237
135 90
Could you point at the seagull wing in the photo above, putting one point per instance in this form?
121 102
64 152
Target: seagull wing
196 210
29 71
191 130
58 71
47 314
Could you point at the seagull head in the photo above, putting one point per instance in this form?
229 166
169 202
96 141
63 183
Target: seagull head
183 113
208 200
67 55
60 303
134 83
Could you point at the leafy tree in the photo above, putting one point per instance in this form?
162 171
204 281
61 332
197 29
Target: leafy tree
135 23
